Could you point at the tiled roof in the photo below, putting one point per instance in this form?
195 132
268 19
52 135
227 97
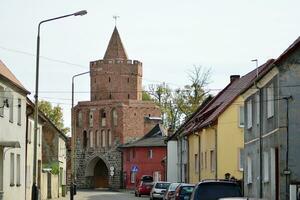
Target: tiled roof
290 49
6 73
217 106
115 48
154 138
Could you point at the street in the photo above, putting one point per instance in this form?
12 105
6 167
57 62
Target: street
105 195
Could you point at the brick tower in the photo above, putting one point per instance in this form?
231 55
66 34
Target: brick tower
115 115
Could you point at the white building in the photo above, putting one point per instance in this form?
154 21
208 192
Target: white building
12 135
30 150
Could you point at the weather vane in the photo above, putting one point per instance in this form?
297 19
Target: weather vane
116 18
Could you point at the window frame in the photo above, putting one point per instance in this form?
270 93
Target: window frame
270 100
241 116
12 169
266 176
249 170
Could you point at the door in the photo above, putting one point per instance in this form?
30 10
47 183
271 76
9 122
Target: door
101 175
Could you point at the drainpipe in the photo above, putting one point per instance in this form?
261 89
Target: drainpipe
260 141
287 171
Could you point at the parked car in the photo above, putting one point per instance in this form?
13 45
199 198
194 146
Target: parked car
144 186
216 189
170 191
183 191
158 190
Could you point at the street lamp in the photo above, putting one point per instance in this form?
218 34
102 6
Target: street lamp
34 186
73 160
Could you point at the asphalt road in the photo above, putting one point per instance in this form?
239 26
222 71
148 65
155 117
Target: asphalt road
106 195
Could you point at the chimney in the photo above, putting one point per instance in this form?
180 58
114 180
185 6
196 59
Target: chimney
234 77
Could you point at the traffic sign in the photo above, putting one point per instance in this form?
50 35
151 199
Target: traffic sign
134 168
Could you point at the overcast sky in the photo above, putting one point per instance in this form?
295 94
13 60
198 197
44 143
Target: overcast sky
168 36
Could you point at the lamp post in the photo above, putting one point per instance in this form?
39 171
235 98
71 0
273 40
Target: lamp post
73 160
34 186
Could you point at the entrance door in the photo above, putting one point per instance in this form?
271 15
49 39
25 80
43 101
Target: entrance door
101 175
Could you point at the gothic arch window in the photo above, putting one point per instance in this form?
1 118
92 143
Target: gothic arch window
109 79
91 118
114 115
91 139
109 138
85 139
79 119
102 117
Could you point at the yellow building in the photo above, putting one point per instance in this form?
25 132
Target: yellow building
216 139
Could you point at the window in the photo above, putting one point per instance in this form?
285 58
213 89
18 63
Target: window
109 79
212 161
98 138
241 116
103 138
249 114
103 118
266 166
91 118
91 139
11 107
128 96
196 163
109 137
39 135
270 101
84 139
2 100
114 117
12 169
150 154
249 170
128 80
79 119
257 103
156 176
19 111
241 159
18 170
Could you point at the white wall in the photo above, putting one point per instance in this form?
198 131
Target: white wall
62 157
12 131
29 165
172 159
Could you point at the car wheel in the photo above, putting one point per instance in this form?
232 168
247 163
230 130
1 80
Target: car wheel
135 194
139 195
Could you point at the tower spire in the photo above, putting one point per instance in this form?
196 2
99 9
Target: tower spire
115 48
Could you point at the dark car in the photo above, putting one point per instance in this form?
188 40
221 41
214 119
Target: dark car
170 191
216 189
183 191
144 186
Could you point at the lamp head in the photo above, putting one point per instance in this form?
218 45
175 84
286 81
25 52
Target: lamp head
80 13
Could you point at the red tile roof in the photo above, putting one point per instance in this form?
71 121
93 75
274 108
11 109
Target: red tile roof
6 73
209 114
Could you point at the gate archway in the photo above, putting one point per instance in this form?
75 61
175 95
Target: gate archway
97 170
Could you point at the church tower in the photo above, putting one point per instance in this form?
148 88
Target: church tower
116 77
115 115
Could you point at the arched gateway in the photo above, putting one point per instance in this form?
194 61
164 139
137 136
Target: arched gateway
97 172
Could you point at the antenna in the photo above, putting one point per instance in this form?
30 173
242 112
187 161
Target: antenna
116 18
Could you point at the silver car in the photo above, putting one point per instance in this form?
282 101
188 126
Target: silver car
158 190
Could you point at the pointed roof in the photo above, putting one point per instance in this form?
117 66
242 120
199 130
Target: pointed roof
7 74
115 48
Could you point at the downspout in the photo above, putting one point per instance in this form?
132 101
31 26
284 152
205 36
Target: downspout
188 160
260 141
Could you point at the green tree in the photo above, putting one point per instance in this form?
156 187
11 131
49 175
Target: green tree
146 96
178 104
55 114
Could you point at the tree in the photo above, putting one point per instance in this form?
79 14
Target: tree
55 114
180 103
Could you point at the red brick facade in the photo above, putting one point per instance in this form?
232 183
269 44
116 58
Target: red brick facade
115 115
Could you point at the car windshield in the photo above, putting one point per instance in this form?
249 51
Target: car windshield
214 191
162 185
173 186
147 179
186 190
